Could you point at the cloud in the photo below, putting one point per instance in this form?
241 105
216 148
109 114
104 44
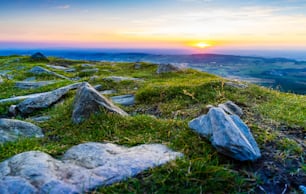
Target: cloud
63 6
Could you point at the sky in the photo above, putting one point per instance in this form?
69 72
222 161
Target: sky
194 25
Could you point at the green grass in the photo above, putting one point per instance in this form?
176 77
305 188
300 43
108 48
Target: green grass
173 99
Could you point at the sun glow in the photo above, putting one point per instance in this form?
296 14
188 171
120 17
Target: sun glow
202 45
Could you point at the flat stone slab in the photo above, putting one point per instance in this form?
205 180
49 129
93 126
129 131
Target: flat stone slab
57 67
40 119
120 78
125 100
108 92
31 84
40 70
11 130
228 134
43 100
83 168
88 101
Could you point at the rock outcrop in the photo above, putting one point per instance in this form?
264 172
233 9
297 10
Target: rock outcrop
231 108
44 100
83 168
125 100
228 134
166 68
11 130
88 101
40 70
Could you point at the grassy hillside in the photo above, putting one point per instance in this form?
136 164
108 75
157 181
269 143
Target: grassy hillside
164 106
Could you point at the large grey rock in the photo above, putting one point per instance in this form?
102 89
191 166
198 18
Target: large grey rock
40 70
120 78
228 134
231 108
44 100
31 84
11 130
88 101
165 68
83 168
125 100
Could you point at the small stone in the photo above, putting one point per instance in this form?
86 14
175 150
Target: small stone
57 67
236 85
98 87
108 92
231 108
11 130
94 78
87 65
1 80
90 70
120 78
228 134
166 68
125 100
40 119
71 70
13 110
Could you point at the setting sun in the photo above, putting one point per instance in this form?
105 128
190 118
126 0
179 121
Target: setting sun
202 45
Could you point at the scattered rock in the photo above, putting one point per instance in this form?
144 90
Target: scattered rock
71 70
40 70
95 70
137 66
82 169
108 92
228 134
87 65
98 87
44 100
125 100
40 119
39 57
120 78
165 68
231 108
31 84
88 101
29 79
236 85
94 78
57 67
11 130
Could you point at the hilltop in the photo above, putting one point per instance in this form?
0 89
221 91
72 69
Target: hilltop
161 107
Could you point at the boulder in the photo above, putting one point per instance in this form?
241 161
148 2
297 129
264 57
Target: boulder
125 100
44 100
88 101
228 134
120 78
31 84
39 57
166 68
83 168
11 130
40 70
231 108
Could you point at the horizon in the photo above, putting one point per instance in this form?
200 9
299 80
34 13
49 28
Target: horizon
184 26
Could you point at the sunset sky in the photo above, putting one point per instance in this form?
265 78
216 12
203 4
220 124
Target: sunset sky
168 24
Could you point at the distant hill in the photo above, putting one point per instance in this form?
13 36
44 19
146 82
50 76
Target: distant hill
284 74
